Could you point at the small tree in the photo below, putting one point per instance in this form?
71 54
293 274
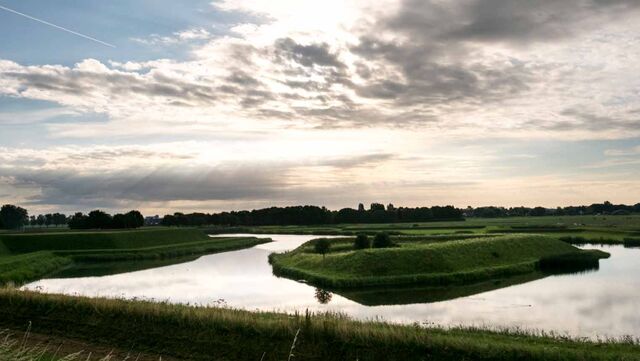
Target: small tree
362 242
382 240
322 246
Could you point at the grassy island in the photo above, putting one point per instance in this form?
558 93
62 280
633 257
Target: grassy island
28 256
430 261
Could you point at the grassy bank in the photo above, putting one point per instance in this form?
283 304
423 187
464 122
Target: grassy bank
225 334
25 257
427 262
103 240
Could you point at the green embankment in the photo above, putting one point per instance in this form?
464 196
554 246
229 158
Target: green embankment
227 334
25 257
105 240
436 263
25 267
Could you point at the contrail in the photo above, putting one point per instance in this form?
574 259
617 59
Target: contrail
57 27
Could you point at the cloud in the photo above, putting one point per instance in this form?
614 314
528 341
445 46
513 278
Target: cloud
623 152
115 176
177 38
481 66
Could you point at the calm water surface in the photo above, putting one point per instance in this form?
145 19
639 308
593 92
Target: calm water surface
605 302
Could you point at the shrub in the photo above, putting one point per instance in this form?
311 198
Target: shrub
362 242
574 240
322 246
382 240
632 242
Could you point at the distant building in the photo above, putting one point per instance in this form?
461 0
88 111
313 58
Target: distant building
152 220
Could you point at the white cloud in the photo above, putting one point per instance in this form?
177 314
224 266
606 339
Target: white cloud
315 86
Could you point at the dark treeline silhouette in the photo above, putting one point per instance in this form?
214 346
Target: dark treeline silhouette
49 219
313 215
14 217
101 220
606 208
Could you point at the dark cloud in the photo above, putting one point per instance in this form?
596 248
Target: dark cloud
517 22
307 55
358 161
436 56
68 186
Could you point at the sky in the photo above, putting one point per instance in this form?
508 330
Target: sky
242 104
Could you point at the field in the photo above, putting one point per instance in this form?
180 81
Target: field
595 229
429 261
25 257
226 334
468 255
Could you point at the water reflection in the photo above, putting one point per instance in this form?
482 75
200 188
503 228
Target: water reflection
323 296
589 304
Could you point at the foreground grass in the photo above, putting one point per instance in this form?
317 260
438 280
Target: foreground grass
425 261
25 257
226 334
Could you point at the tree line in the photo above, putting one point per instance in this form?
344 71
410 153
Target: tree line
15 217
313 215
606 208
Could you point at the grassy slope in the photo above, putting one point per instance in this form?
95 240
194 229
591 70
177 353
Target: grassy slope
429 263
23 243
29 266
226 334
26 257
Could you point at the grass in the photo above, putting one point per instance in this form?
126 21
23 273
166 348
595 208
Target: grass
427 262
202 333
60 241
26 267
631 242
26 257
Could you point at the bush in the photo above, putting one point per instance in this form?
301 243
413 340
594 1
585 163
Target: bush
322 246
382 240
632 242
362 242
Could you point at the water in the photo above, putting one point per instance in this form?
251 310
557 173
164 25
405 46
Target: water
602 303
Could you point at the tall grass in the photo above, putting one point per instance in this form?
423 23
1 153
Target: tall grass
579 240
228 334
14 348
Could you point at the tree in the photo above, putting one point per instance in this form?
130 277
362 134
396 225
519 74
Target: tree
13 217
376 207
78 221
538 212
99 219
134 219
48 219
382 240
362 242
59 219
322 246
41 220
323 296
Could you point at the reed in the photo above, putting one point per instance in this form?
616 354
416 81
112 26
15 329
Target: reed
194 332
